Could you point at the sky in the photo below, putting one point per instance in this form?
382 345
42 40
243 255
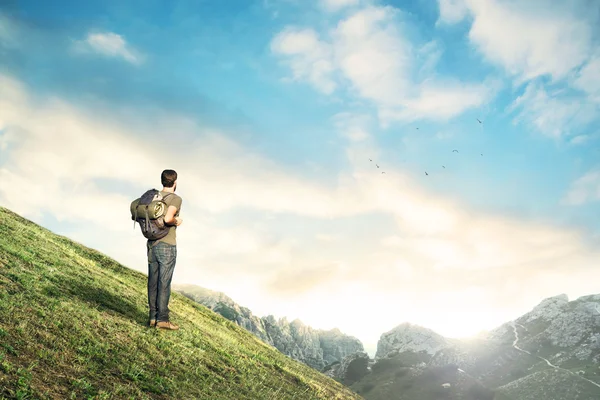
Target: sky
281 117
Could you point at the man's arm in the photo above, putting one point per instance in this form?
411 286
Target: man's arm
170 218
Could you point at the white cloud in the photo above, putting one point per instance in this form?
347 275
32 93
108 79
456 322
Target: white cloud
392 241
352 126
585 189
553 113
442 99
587 79
108 44
6 138
428 56
534 40
288 282
372 54
369 50
324 237
337 5
309 57
63 152
452 11
528 39
579 139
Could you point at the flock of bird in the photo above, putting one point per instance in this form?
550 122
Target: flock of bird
454 151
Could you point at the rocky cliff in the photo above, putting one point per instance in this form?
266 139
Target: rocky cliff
351 369
409 337
551 353
314 347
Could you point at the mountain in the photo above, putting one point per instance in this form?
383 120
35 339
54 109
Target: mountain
314 347
409 337
72 326
550 353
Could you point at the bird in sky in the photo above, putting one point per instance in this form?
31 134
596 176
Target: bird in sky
377 165
479 120
383 172
443 167
426 173
455 151
370 159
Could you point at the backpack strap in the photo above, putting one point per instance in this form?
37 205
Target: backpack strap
146 211
135 214
163 199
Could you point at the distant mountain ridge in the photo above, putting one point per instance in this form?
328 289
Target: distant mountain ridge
550 353
314 347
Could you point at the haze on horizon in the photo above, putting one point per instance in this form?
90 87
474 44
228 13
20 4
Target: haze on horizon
276 114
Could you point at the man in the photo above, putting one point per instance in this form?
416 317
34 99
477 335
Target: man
162 254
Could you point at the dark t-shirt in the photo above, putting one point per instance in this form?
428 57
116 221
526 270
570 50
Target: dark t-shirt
172 200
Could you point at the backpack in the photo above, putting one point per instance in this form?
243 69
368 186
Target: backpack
149 211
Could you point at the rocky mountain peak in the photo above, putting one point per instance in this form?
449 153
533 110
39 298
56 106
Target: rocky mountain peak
549 308
409 337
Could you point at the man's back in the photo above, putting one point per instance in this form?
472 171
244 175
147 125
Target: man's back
171 200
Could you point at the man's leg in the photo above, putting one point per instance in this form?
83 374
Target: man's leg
153 275
166 255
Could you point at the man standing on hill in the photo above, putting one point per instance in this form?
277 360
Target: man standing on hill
162 254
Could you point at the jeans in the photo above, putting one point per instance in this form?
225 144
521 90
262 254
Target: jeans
161 263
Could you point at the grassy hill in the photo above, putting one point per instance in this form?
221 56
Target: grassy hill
72 326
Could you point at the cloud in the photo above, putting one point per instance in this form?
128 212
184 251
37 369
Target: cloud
587 79
108 44
368 54
556 113
580 139
533 42
354 127
452 11
442 99
324 237
6 138
337 5
8 32
309 57
396 242
372 54
302 280
585 189
528 39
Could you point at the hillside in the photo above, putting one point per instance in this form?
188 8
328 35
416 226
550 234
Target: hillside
314 347
72 325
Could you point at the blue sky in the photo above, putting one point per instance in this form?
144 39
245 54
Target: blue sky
270 110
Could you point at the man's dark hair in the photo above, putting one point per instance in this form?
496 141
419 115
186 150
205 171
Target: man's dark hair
168 177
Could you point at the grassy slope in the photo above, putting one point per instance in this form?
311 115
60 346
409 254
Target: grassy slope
72 325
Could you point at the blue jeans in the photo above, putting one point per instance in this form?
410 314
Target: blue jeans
161 263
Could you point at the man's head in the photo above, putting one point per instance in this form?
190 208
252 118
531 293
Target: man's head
169 179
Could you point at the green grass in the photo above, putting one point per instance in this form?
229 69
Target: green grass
72 326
